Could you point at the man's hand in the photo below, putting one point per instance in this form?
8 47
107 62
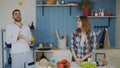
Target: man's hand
20 36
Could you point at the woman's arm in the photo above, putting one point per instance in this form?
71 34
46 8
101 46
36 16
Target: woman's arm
74 55
72 48
92 46
86 56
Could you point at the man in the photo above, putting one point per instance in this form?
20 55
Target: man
18 35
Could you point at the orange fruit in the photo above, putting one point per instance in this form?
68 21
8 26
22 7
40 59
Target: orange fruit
32 39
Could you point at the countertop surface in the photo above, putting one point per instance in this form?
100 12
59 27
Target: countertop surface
73 65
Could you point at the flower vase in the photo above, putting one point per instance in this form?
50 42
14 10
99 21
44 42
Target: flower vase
85 11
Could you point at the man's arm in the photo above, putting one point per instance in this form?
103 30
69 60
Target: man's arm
11 36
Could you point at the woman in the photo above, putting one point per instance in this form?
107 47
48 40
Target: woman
83 40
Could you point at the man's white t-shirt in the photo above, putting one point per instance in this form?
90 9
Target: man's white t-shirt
21 45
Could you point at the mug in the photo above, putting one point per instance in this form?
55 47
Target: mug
89 59
52 60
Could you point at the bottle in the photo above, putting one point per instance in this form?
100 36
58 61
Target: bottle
57 2
9 59
32 26
99 13
92 13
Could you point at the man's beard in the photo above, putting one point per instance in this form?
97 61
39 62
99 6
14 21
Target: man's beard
17 20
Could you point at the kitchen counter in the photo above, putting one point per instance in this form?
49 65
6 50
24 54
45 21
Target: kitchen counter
65 54
73 65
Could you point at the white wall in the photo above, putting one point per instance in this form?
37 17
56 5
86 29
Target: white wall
118 24
0 52
28 10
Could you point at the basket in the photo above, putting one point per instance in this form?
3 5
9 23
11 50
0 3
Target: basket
50 1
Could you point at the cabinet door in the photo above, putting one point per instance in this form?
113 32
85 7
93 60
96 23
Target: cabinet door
47 54
62 54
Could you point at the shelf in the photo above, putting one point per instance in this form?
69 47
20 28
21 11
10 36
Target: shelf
57 5
109 18
101 16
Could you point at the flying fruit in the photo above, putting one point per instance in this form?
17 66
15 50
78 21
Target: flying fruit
32 39
57 34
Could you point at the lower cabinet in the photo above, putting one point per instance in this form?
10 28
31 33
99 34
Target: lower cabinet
57 54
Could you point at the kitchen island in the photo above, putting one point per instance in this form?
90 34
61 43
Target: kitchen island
73 65
62 54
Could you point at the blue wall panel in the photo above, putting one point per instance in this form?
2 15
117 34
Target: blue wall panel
59 18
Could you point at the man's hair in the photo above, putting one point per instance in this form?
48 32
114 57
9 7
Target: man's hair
15 11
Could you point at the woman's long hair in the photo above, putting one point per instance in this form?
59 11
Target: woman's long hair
86 27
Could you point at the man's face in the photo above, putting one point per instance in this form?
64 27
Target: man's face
17 16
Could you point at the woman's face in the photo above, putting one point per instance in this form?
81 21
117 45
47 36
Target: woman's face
79 22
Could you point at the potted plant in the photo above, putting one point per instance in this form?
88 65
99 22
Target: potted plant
85 6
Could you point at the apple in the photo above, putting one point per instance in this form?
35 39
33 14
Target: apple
64 61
